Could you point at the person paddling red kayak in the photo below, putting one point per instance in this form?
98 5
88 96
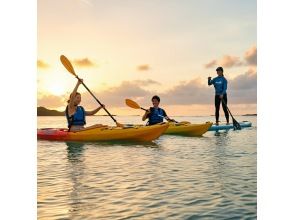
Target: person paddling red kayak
76 114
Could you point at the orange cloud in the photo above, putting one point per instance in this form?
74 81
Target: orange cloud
227 61
115 96
212 63
251 71
52 101
41 64
251 56
241 90
85 62
143 67
146 82
230 61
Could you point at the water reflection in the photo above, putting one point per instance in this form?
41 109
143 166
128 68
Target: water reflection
221 132
74 151
76 172
124 144
219 160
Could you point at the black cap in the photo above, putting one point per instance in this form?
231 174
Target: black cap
220 68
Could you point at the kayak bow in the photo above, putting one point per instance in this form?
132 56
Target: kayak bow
188 129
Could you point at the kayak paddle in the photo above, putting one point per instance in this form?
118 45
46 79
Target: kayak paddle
236 124
135 105
67 64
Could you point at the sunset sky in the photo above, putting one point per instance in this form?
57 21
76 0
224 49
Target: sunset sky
136 49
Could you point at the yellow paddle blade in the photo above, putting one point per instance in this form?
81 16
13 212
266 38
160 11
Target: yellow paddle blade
132 104
66 63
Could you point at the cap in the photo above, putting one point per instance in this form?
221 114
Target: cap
219 68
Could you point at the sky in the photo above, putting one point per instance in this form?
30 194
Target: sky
275 47
136 49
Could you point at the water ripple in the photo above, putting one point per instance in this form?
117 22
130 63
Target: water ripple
211 177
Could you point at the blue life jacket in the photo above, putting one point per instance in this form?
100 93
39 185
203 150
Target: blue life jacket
154 117
78 118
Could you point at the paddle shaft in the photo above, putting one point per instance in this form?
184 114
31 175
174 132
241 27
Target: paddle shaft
227 108
234 120
96 99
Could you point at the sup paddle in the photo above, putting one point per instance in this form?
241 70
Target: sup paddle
236 124
135 105
67 64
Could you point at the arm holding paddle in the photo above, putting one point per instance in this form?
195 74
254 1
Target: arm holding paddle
168 118
73 94
67 64
95 110
145 116
135 105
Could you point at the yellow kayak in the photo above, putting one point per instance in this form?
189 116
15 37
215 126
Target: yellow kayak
104 133
188 129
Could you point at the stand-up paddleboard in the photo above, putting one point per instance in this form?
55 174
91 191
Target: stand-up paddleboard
243 124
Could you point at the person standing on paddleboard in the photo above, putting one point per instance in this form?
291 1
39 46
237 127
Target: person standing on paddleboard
220 84
76 114
155 114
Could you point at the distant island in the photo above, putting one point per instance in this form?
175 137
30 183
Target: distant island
42 111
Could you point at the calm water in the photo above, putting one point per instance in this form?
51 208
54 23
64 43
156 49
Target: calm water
209 177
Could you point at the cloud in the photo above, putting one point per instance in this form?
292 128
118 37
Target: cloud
230 61
85 62
191 92
51 101
41 64
115 96
241 90
143 67
146 82
251 70
226 61
251 56
212 63
245 81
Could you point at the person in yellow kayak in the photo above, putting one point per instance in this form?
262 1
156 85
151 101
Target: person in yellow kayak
155 114
220 84
76 114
